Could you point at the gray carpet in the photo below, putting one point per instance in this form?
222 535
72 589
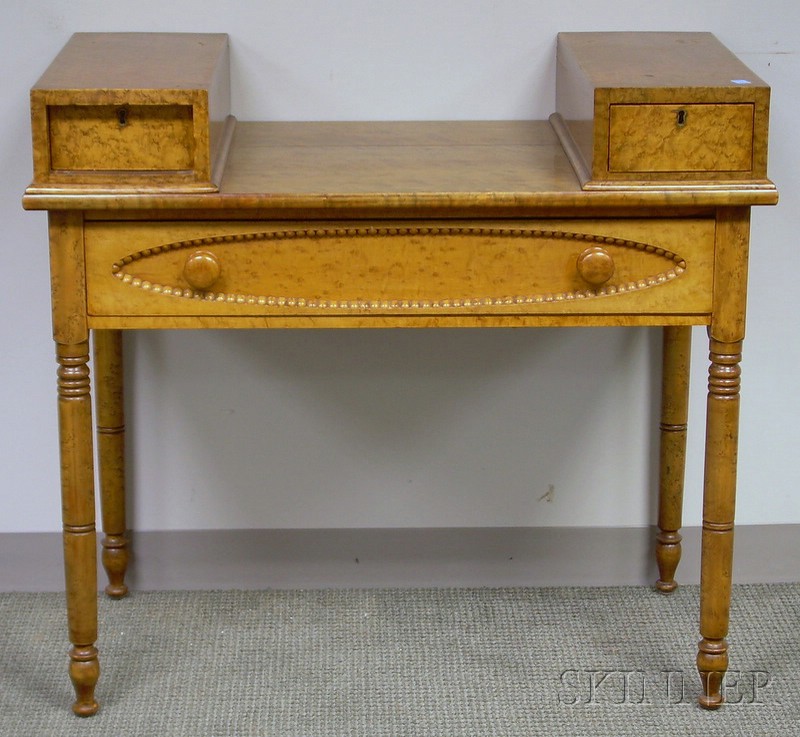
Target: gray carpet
434 663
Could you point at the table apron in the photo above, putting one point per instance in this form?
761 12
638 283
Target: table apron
630 271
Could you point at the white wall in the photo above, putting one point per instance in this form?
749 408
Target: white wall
397 428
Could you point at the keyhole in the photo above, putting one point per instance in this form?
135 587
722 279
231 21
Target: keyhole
122 117
680 118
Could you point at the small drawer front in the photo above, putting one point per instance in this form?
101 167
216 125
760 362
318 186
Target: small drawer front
402 269
681 138
136 138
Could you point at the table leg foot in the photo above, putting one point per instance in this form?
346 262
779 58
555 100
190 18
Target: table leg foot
115 563
84 670
668 555
712 663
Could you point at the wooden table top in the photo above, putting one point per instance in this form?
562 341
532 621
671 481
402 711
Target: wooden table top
465 158
502 168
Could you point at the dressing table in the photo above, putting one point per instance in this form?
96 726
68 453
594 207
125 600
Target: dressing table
629 207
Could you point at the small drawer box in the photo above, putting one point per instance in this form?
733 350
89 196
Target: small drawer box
131 110
639 107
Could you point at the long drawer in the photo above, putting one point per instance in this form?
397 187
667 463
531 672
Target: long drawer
620 266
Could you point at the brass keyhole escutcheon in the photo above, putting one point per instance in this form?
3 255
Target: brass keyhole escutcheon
680 118
122 116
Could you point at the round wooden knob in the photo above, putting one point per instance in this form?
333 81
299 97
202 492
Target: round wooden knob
201 270
595 266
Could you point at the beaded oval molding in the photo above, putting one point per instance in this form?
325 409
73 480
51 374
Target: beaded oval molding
118 269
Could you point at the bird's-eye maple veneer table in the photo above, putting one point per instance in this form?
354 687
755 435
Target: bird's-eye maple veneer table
630 207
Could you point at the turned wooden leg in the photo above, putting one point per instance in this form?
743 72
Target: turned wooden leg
674 412
718 511
80 552
111 456
726 333
71 334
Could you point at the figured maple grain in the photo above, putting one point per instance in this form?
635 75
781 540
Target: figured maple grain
151 108
110 416
368 225
128 137
681 138
617 95
75 451
393 169
465 268
676 344
726 334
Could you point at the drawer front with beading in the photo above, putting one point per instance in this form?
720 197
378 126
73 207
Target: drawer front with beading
401 268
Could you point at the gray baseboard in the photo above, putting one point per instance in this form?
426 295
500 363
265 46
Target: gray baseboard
428 557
